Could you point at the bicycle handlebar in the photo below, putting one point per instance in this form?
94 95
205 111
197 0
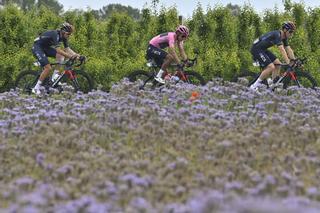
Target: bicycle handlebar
297 63
188 63
71 62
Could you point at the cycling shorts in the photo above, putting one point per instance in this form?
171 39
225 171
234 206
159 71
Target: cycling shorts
157 54
264 57
42 54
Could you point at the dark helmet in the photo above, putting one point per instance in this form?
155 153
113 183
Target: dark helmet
183 30
289 26
66 27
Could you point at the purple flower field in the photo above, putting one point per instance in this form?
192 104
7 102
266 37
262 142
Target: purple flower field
229 150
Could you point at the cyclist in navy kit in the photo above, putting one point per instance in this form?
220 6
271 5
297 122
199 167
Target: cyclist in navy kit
47 45
267 60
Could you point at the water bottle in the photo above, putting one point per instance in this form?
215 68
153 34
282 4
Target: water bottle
175 78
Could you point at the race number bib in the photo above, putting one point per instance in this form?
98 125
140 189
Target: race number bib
256 41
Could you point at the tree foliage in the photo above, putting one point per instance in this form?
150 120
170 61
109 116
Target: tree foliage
107 11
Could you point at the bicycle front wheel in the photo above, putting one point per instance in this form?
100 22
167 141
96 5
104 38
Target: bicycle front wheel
26 80
194 78
81 82
304 78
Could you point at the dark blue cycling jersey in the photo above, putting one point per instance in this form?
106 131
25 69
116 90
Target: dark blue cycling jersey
51 38
44 46
269 39
260 47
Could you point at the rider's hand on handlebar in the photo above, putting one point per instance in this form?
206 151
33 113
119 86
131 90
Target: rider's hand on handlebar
186 63
289 67
82 58
298 62
295 62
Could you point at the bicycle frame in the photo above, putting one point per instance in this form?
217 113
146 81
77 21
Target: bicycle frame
69 72
291 74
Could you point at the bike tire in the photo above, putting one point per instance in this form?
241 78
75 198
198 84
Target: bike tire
195 78
146 79
305 79
250 76
83 82
139 74
245 74
26 80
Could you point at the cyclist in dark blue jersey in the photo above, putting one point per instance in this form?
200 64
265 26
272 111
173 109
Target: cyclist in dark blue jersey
47 45
267 60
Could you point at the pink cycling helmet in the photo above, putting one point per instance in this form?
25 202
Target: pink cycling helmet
183 30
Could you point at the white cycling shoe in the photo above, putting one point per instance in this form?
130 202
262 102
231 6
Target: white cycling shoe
160 80
36 91
255 87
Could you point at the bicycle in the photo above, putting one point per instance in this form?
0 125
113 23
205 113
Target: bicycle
78 79
291 76
179 75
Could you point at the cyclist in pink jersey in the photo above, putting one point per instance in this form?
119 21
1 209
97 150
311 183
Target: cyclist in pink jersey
162 58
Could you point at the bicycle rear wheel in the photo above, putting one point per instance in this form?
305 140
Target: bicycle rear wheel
26 80
139 75
250 77
144 78
305 80
82 81
195 78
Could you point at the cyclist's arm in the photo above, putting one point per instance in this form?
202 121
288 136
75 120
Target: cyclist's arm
284 54
62 52
182 52
71 52
172 51
290 52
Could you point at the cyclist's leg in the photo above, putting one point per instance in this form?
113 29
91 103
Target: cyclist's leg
41 55
57 70
49 52
266 63
167 61
276 72
276 62
161 58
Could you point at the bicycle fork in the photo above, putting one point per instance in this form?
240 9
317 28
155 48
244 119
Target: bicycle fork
72 76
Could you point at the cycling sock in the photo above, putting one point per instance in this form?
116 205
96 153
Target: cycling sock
39 83
159 75
55 75
258 81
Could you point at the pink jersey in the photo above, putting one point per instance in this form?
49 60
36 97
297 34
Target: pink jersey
163 40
